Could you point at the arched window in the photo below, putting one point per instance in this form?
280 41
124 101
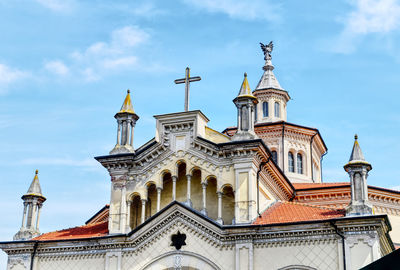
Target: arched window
275 156
291 162
265 109
299 163
277 109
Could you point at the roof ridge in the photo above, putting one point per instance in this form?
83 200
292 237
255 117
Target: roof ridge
314 206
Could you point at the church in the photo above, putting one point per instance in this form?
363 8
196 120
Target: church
248 197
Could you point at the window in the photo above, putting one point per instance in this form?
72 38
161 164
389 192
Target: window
277 109
299 164
291 162
255 113
275 157
265 109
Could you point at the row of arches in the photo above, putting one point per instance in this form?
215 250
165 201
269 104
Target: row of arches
188 188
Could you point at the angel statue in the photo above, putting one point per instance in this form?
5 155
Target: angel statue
267 49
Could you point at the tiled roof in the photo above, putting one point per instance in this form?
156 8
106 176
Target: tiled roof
86 231
319 185
287 212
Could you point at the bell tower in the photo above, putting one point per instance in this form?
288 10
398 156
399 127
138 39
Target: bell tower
358 169
126 119
33 201
245 103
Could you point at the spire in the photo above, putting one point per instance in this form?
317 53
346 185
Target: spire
245 90
127 105
268 79
356 153
34 188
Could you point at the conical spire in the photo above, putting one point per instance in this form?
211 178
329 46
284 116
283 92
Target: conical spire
356 154
34 188
245 90
127 105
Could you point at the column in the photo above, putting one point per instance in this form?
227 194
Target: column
119 132
364 185
124 139
34 215
143 210
123 210
128 216
352 186
24 215
174 178
219 219
188 200
38 217
204 210
158 198
131 124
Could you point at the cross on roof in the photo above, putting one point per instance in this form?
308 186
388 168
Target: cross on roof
187 80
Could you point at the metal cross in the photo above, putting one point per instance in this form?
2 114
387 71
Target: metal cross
187 80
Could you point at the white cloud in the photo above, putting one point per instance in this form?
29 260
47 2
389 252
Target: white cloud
57 5
369 17
243 10
117 53
396 188
10 75
57 67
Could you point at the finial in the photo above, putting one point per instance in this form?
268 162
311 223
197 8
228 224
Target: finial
128 91
245 74
267 49
355 137
36 172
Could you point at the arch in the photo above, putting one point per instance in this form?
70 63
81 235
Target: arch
196 188
181 182
166 194
274 156
290 161
134 194
151 204
179 163
194 168
277 109
208 177
192 260
228 204
135 211
300 163
149 183
212 197
297 267
265 109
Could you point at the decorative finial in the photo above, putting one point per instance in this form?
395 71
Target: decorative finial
36 172
128 91
355 137
267 49
245 74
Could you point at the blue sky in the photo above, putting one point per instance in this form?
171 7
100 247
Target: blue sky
65 67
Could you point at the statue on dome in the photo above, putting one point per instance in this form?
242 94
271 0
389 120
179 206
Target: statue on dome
267 49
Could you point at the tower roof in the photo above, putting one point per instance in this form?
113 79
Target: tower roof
356 155
34 188
245 90
127 105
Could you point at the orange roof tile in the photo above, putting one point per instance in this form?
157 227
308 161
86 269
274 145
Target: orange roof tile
287 212
319 185
86 231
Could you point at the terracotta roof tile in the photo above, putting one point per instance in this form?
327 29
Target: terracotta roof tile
86 231
287 212
319 185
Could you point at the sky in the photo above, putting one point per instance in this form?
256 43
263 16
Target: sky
65 66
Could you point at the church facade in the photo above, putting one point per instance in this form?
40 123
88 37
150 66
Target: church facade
250 197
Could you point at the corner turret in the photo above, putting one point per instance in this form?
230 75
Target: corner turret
358 170
126 119
33 201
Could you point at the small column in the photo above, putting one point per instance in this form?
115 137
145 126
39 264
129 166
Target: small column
174 179
24 216
131 124
219 219
204 210
34 215
188 200
158 198
119 133
38 217
128 216
143 210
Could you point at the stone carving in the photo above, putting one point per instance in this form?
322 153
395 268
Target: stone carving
178 240
267 49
